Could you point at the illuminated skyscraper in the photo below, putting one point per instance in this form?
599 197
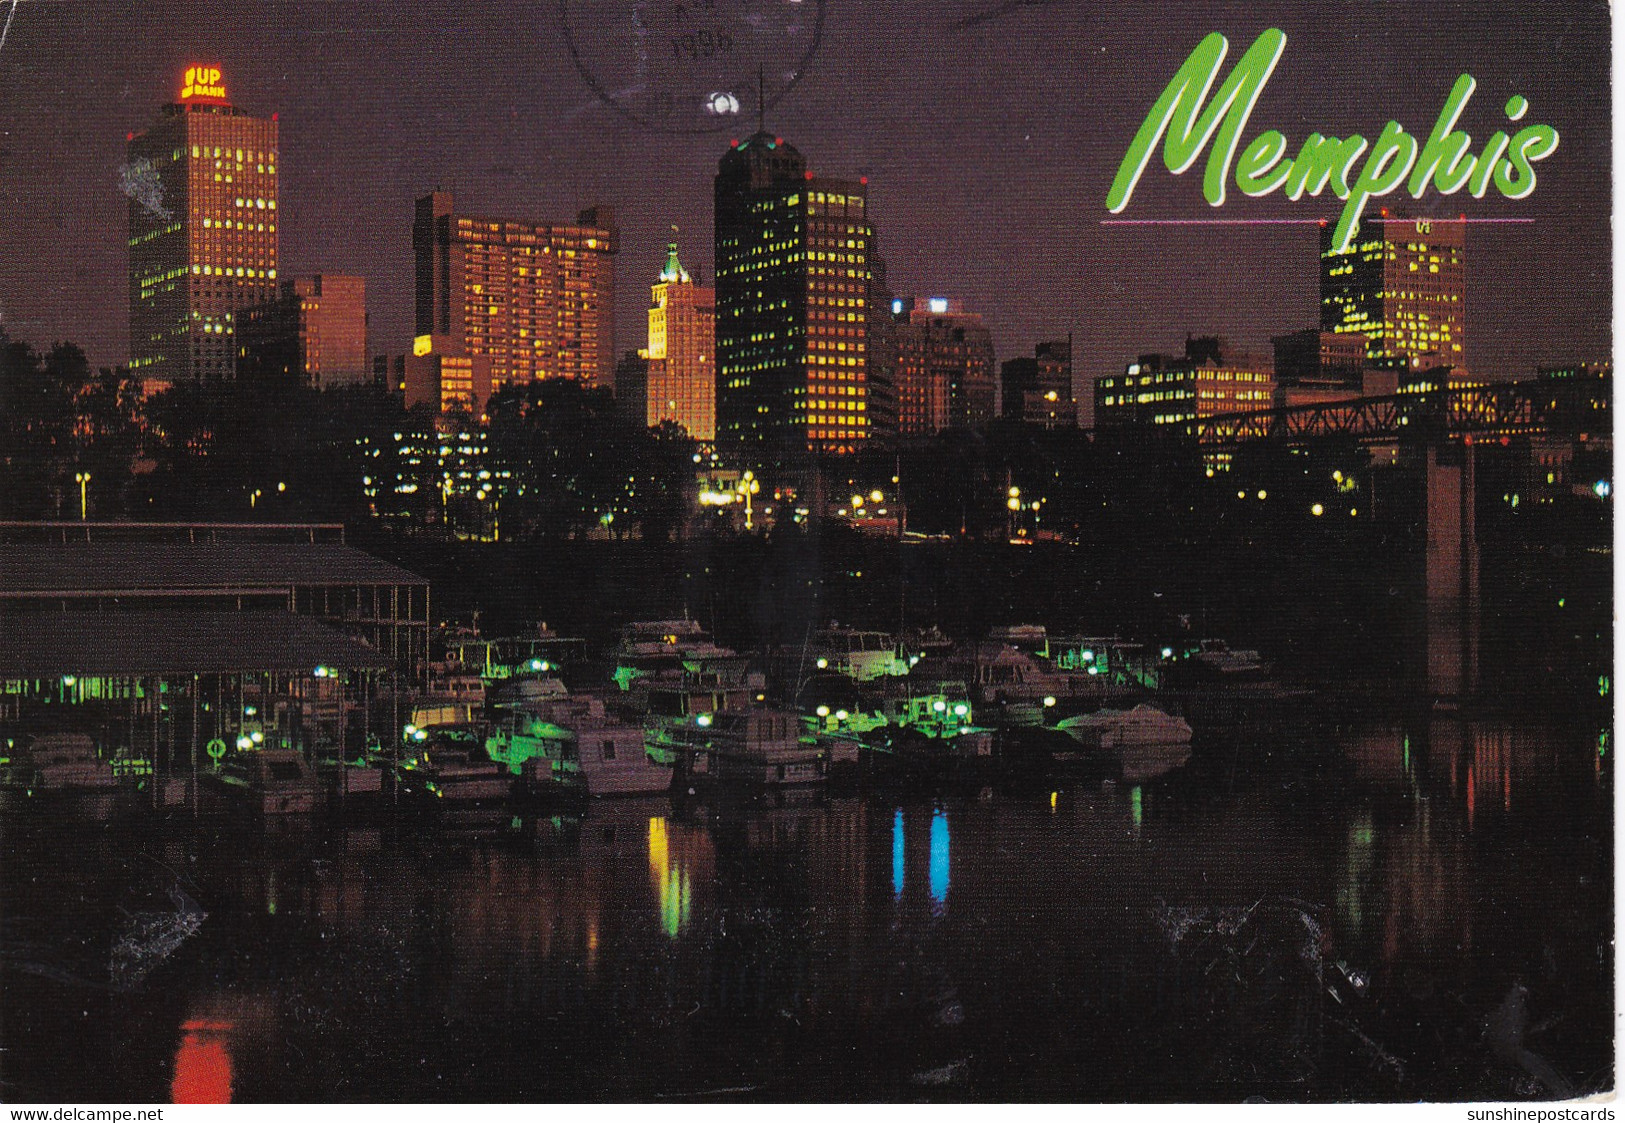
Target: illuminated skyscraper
1403 285
945 373
202 184
535 300
682 361
792 285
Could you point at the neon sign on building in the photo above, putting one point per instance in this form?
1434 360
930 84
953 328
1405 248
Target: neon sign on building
203 82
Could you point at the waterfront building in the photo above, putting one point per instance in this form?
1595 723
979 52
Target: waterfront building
1037 389
680 379
313 334
945 366
167 573
1403 285
528 300
202 187
792 285
1209 380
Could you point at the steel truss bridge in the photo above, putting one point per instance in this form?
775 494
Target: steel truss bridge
1563 408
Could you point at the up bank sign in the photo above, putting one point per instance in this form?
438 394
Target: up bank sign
1185 120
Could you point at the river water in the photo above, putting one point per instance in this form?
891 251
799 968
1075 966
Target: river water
1301 912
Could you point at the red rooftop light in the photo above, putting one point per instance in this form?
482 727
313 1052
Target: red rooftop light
274 116
863 179
129 136
778 140
809 176
733 144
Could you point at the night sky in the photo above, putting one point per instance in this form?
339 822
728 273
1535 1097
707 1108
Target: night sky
989 131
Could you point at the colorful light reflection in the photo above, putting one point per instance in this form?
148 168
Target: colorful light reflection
202 1064
671 881
898 864
939 860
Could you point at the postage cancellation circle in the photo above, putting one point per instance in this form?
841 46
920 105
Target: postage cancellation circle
692 66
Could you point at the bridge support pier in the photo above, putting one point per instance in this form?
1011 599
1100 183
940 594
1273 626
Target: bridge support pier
1450 582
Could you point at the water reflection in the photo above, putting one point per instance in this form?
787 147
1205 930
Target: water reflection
939 861
1095 948
899 871
202 1063
672 885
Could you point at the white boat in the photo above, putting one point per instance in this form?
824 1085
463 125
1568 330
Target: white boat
1115 729
763 747
859 655
562 741
67 763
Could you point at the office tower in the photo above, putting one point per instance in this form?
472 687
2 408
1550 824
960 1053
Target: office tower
202 187
1208 380
882 351
681 376
313 334
945 369
1037 389
1403 285
532 300
792 257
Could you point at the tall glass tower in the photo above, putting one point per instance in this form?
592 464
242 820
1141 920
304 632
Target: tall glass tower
792 287
202 183
1403 285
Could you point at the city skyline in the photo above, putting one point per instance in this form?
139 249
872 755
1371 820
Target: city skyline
972 163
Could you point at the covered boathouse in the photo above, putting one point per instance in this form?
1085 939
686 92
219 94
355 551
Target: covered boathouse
164 641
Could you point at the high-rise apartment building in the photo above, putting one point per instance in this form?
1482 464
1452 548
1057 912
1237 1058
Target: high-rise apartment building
314 334
946 377
681 378
792 285
202 187
1403 285
533 300
1037 388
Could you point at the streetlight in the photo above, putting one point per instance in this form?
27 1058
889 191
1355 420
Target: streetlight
82 479
749 485
254 498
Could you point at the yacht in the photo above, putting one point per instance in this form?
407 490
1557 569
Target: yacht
267 781
1118 729
859 655
757 747
452 768
67 764
564 742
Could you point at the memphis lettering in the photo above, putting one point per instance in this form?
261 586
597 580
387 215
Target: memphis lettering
1188 120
